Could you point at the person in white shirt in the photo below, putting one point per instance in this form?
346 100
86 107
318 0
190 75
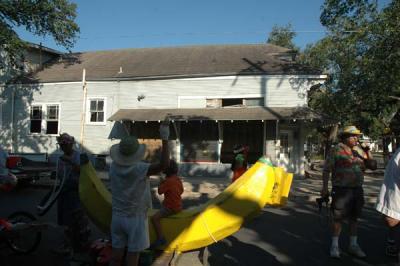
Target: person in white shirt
389 202
130 196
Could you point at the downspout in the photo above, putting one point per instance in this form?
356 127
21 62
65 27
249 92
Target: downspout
83 108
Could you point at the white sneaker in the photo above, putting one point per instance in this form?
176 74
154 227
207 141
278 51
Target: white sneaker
356 251
335 252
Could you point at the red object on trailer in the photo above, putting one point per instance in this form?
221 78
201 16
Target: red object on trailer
13 161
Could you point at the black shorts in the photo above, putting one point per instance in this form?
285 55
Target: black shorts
347 202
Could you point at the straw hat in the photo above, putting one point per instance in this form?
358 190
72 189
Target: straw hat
350 130
128 151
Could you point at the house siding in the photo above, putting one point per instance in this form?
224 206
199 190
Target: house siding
170 93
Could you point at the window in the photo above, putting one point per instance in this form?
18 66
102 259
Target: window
254 101
45 118
231 102
224 102
52 119
96 112
36 119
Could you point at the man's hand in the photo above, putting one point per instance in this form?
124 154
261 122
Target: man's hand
365 146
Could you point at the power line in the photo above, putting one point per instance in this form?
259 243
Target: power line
176 34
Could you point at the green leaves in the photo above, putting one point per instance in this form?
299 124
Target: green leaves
41 17
361 54
283 36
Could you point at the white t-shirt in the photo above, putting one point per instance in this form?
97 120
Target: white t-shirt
130 189
389 197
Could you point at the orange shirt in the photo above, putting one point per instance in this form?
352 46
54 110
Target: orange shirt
172 188
238 173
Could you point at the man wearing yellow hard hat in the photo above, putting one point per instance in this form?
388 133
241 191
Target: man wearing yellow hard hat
344 166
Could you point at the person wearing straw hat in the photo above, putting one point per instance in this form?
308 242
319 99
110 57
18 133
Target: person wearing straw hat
129 189
345 166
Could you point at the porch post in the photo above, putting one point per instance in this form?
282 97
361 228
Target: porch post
264 137
277 142
178 142
220 139
301 148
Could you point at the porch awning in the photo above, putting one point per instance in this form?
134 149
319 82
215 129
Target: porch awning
227 113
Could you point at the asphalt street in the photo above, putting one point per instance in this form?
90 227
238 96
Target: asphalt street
292 235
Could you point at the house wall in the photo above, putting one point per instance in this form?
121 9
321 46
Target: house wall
33 59
172 93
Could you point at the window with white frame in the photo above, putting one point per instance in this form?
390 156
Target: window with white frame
96 111
44 118
52 112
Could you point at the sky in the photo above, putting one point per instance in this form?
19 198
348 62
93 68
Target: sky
117 24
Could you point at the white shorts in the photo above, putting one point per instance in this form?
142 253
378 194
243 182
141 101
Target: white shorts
131 232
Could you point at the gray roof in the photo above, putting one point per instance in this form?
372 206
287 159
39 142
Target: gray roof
172 62
226 113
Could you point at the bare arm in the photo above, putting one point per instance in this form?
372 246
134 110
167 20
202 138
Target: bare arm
164 162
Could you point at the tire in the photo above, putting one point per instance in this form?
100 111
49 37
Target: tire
23 242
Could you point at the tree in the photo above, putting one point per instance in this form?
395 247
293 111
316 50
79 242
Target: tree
282 36
361 53
41 17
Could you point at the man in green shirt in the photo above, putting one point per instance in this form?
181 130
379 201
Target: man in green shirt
345 166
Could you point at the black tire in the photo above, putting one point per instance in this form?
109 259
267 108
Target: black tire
23 242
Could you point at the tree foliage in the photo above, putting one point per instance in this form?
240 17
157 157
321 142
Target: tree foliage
361 54
41 17
283 36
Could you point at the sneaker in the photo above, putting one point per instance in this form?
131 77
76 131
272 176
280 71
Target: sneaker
335 252
391 249
357 251
158 243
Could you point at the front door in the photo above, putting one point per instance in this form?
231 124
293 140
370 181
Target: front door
286 150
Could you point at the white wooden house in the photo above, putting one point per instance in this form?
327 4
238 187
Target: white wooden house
218 96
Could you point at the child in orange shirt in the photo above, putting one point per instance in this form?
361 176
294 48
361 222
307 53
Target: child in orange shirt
172 188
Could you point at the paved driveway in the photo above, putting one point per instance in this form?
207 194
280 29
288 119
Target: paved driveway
293 235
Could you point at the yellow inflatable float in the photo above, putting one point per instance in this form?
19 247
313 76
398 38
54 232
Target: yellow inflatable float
203 225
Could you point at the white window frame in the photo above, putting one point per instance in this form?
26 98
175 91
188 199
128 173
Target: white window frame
43 125
88 114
